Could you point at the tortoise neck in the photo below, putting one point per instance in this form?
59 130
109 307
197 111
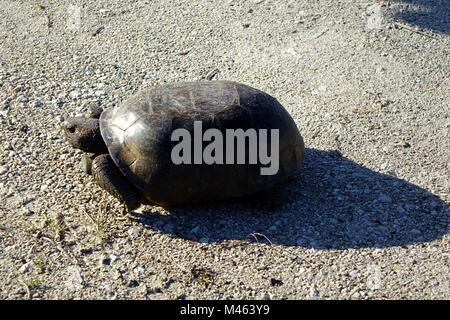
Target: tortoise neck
93 142
99 146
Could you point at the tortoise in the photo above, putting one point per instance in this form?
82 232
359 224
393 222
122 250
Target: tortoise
128 149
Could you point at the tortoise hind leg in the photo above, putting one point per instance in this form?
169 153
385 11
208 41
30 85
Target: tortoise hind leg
109 177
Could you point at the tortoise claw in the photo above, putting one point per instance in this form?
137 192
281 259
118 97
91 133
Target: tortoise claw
86 163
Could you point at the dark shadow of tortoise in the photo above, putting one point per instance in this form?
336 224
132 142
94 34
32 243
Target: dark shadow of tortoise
424 14
333 204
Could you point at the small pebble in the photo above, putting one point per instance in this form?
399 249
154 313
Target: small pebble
37 103
74 95
353 274
184 52
112 258
23 99
26 267
134 233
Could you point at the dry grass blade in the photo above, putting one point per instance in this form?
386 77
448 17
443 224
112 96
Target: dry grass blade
26 288
61 249
256 235
406 27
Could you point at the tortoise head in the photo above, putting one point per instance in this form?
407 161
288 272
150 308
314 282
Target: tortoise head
84 133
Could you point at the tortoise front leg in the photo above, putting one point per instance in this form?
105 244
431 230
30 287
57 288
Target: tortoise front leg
86 162
109 177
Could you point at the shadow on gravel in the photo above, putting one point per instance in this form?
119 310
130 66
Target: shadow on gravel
333 204
433 15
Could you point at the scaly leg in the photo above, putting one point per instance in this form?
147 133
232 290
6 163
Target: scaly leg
109 177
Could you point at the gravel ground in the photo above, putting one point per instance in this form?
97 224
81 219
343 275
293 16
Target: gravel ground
367 83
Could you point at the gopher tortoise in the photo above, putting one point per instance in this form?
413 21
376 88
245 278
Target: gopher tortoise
138 151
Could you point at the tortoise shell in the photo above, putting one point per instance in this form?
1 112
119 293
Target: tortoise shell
138 137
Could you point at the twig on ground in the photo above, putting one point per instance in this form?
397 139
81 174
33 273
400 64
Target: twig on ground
92 220
406 27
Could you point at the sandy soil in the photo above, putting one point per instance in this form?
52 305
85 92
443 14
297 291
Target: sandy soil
367 83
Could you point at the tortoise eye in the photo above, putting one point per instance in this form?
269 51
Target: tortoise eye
71 129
